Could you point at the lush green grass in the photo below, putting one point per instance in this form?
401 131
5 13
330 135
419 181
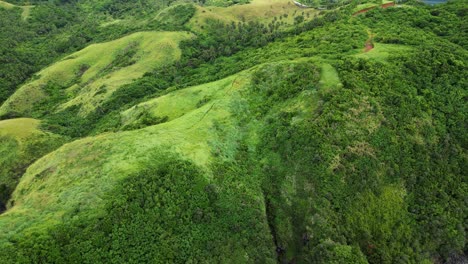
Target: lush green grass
257 10
364 6
106 159
180 103
330 78
26 12
225 2
6 5
88 77
381 52
19 128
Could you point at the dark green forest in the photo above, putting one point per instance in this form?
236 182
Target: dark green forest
319 151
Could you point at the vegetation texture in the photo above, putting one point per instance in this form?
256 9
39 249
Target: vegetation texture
160 131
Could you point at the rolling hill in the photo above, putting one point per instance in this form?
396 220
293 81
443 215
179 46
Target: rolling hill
87 77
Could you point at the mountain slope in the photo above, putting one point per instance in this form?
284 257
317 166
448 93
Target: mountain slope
88 77
22 143
197 135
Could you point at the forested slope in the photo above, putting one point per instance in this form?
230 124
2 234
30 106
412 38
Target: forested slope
186 132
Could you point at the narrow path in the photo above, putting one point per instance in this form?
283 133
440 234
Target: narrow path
299 4
369 42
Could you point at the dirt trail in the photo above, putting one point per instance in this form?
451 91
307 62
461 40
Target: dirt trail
369 46
369 42
387 5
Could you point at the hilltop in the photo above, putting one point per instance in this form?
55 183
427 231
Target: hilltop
233 132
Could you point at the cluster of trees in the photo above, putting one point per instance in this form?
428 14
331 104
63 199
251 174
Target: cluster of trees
364 183
167 212
28 46
421 24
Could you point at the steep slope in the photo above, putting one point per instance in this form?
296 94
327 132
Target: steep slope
22 142
198 133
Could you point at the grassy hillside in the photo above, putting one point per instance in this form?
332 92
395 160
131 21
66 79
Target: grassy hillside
256 10
201 130
21 144
88 77
55 29
196 133
331 139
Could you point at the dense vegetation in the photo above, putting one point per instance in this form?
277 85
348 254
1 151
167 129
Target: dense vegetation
263 142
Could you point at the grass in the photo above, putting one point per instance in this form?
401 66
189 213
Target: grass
19 128
370 5
6 5
381 52
78 174
224 2
91 75
179 103
112 22
21 143
202 125
26 12
257 10
329 77
26 9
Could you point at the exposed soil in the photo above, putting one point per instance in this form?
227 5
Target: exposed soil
363 11
387 5
369 46
369 42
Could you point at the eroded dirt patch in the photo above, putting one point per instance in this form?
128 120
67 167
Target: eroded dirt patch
387 5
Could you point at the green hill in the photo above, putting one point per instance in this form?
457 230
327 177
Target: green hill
91 75
232 132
